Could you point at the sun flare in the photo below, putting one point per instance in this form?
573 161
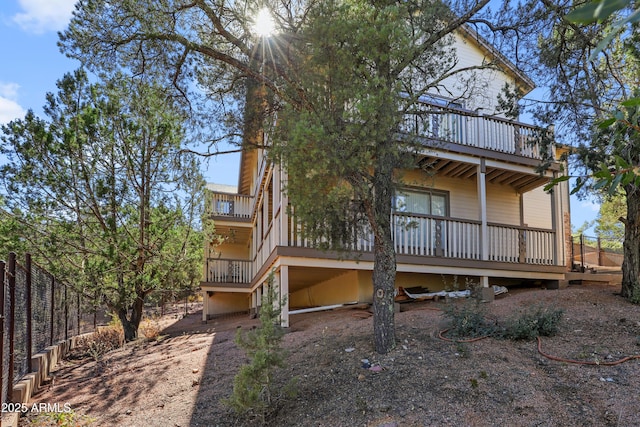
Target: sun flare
264 25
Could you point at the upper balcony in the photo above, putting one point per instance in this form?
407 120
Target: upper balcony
447 127
233 206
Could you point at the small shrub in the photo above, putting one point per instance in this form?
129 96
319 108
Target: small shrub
254 392
535 321
468 319
62 419
150 329
100 342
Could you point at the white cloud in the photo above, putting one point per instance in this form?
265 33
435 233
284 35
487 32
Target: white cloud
9 107
588 204
39 16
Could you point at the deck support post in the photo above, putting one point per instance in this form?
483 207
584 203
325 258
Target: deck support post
205 306
482 200
484 281
253 312
258 298
283 277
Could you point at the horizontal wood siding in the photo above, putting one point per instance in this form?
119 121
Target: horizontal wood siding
503 205
463 197
537 208
485 85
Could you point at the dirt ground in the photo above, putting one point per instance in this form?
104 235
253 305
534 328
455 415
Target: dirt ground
181 379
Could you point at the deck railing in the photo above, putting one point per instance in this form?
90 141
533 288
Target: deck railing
420 235
229 271
467 128
230 205
521 244
428 120
426 235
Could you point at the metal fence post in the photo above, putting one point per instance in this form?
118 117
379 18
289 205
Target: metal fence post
53 306
582 253
2 277
599 249
95 310
12 296
78 312
66 315
29 311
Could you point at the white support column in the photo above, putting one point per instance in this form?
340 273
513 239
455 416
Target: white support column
284 205
205 306
284 296
557 222
484 281
258 299
265 289
482 201
254 303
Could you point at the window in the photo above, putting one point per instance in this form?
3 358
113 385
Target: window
415 229
424 203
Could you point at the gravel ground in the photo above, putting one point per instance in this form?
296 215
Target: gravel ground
181 379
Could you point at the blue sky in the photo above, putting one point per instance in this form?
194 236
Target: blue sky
32 64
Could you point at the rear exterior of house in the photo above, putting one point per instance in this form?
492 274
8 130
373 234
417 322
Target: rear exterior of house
473 210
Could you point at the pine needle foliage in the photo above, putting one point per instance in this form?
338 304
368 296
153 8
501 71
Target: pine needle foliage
255 395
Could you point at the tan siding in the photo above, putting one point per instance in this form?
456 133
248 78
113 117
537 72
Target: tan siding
537 208
338 290
480 86
231 251
365 286
463 199
221 303
503 205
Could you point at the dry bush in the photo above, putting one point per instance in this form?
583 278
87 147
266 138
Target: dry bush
150 329
100 342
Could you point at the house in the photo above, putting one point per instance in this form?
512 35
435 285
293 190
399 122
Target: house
480 215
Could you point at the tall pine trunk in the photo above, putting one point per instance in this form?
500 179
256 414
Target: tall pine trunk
631 263
384 267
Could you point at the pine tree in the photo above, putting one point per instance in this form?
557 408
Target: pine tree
254 391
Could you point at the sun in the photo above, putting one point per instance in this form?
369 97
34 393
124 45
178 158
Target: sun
264 25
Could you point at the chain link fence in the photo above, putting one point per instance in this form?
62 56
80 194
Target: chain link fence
37 311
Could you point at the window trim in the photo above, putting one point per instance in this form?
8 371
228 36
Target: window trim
423 190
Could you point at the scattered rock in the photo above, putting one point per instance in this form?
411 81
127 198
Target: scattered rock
384 408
